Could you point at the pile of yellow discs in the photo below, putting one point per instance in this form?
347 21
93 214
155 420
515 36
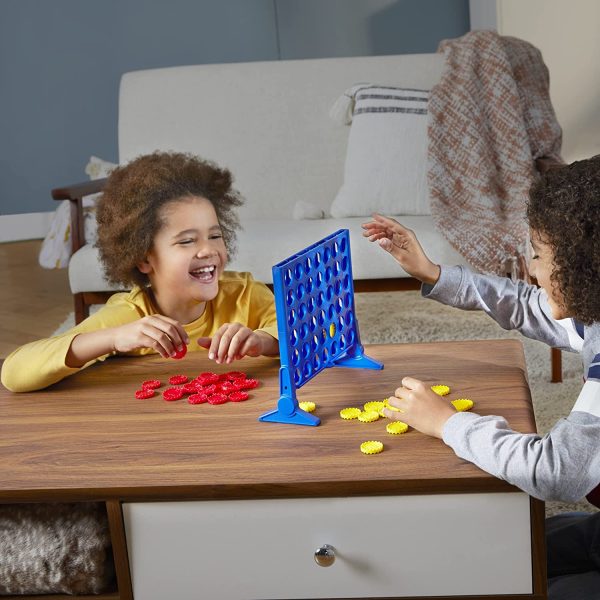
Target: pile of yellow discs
373 410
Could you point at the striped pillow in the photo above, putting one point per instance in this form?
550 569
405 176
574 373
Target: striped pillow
386 157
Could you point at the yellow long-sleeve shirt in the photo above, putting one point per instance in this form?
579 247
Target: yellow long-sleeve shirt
240 299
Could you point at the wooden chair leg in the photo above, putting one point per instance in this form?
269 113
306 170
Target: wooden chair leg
82 310
556 364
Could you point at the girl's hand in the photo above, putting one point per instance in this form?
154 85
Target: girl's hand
403 245
421 407
233 341
163 334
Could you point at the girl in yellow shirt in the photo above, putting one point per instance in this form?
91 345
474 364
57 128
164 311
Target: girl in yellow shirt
166 224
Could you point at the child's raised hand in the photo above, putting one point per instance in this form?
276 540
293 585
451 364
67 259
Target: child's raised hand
421 407
233 341
163 334
403 245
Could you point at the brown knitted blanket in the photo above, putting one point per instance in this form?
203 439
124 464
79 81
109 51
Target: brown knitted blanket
490 117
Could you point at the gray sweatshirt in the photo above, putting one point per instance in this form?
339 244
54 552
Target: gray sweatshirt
564 464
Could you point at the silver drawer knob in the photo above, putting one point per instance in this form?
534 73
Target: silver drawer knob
325 555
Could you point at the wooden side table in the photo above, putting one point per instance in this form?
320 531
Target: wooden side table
206 501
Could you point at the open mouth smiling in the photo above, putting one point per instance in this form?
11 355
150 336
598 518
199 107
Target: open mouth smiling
205 274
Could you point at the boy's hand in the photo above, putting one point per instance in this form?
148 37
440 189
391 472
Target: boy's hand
163 334
403 245
233 341
421 407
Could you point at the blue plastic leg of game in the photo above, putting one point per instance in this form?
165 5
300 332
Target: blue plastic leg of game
288 411
356 358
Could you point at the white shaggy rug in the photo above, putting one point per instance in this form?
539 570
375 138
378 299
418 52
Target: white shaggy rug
399 317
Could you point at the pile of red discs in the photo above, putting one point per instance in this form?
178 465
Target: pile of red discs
207 387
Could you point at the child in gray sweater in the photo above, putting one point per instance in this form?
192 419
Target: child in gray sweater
564 311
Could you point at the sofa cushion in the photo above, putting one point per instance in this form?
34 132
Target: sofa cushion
386 158
265 242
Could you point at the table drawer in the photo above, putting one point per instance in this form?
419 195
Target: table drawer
386 546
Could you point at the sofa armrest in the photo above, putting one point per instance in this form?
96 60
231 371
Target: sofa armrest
75 193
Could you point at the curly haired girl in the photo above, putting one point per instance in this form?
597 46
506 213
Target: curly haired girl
166 227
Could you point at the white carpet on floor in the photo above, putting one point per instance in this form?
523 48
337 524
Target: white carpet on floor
400 317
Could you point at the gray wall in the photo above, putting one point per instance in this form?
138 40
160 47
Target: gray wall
61 61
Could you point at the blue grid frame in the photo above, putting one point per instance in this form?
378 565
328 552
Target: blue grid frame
316 321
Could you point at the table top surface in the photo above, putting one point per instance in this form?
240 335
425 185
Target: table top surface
87 437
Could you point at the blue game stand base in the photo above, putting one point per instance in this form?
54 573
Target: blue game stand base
296 417
355 358
287 410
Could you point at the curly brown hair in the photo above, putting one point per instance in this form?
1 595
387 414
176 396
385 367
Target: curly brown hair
564 208
128 212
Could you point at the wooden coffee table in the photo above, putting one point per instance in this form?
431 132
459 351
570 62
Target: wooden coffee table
206 501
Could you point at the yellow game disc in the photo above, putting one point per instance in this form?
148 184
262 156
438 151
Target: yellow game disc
462 404
307 406
350 413
376 405
390 407
396 427
368 416
332 330
371 447
441 390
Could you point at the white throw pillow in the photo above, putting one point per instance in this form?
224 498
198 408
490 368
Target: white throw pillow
386 158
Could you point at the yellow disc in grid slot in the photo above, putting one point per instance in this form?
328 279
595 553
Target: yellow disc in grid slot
376 405
368 416
371 447
332 330
350 413
307 406
441 390
462 404
396 427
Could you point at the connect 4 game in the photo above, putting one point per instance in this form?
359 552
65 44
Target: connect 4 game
316 322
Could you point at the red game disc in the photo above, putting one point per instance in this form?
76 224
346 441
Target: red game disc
178 379
246 384
207 378
180 353
238 396
144 393
151 383
234 375
173 393
218 399
190 388
228 386
197 398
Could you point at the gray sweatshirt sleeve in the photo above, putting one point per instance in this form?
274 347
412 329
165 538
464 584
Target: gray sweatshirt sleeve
512 304
563 465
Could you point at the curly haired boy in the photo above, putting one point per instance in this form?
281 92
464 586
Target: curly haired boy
564 311
166 227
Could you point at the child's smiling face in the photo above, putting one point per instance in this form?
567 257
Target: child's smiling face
187 258
541 267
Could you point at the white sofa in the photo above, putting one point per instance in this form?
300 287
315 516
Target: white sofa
269 123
